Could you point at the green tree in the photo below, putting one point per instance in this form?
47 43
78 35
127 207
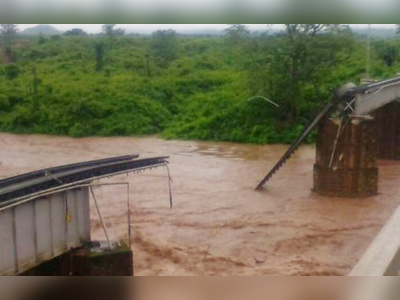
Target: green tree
11 71
99 49
297 39
36 81
388 53
165 46
75 32
148 70
236 33
42 39
301 58
110 31
8 32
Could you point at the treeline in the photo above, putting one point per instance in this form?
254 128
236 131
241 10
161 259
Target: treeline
208 88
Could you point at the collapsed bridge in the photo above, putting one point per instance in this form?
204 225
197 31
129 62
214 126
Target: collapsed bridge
45 214
359 126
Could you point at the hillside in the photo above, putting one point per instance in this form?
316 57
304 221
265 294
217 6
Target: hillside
180 87
41 29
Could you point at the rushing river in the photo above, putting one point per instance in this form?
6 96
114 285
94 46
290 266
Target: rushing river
219 225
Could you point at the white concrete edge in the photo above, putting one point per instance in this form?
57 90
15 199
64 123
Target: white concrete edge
382 257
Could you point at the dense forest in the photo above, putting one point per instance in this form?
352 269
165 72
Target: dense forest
183 87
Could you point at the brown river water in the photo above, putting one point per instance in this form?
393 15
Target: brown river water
219 225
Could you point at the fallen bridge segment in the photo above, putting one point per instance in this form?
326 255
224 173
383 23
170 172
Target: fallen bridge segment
295 145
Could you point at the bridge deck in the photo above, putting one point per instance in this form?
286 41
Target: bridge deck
46 213
55 170
43 181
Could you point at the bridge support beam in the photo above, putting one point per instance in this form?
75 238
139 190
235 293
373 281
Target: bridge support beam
346 158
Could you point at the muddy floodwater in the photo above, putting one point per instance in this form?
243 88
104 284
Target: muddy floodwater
219 225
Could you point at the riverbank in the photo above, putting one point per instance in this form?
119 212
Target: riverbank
219 225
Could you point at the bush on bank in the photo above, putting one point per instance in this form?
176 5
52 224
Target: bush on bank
201 90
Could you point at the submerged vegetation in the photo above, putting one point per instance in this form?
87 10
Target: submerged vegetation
188 87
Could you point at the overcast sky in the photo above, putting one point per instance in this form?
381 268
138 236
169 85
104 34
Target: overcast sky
148 28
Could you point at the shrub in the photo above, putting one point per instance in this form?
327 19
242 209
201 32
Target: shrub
11 71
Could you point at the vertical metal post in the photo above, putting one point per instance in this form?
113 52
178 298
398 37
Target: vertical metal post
76 194
129 218
51 226
101 218
336 142
65 195
35 230
15 244
169 185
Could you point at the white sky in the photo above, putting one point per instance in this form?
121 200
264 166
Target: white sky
149 28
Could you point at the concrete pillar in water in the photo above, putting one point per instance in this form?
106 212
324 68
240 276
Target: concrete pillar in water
94 260
100 261
346 162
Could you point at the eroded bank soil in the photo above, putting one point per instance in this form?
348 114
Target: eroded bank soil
219 225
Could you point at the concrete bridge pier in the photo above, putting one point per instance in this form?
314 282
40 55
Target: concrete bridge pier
94 259
346 158
388 131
